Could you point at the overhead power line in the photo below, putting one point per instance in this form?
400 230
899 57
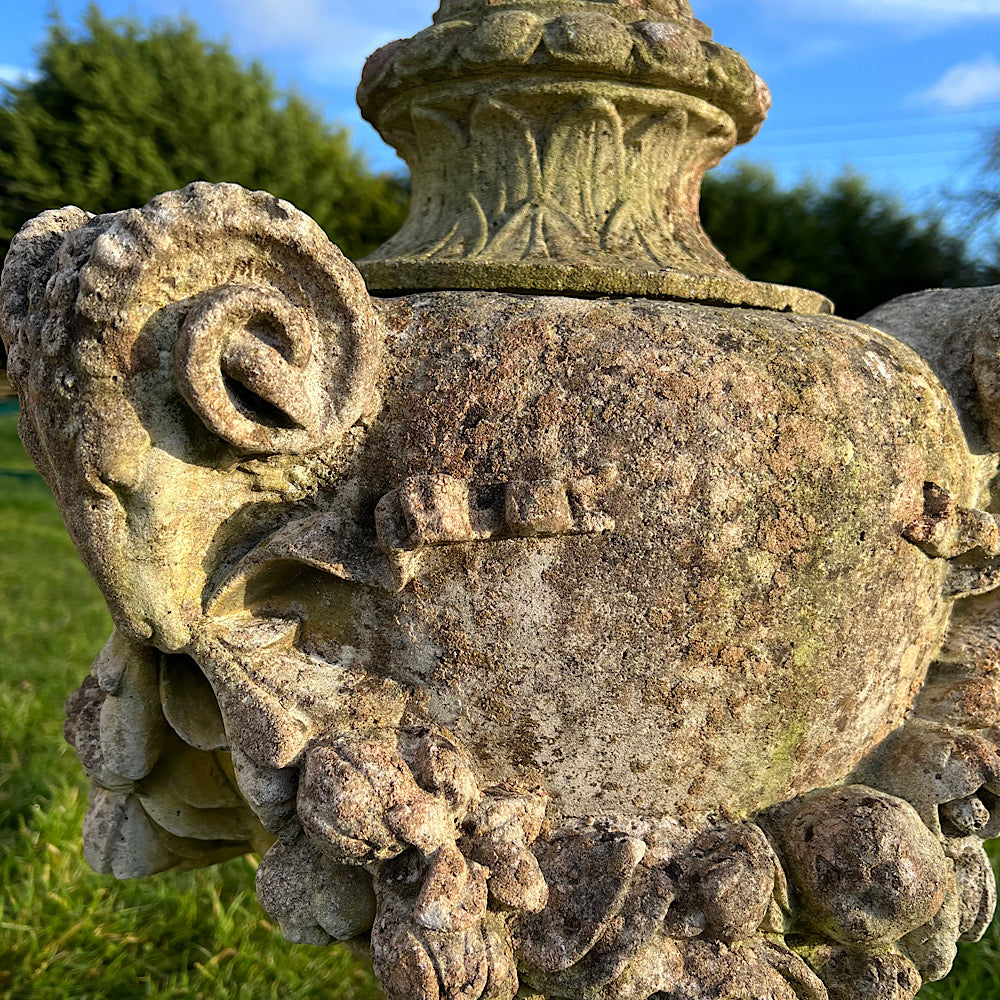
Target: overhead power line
988 112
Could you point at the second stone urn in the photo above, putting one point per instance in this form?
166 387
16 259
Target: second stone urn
549 604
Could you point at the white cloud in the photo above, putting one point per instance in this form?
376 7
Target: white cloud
322 32
16 75
902 12
966 85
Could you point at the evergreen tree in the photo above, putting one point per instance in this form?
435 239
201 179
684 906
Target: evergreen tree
856 245
121 112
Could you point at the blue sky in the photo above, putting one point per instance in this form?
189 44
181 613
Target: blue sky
900 90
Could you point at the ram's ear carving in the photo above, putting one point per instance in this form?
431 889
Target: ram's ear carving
986 363
957 332
274 337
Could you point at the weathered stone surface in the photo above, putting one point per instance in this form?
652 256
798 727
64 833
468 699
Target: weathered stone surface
600 648
314 900
868 869
635 529
977 891
860 975
500 388
932 946
934 766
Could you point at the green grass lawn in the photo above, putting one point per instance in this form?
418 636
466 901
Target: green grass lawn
68 934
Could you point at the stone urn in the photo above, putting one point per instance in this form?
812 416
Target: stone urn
553 607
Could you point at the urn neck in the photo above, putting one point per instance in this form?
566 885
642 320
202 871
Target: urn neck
560 146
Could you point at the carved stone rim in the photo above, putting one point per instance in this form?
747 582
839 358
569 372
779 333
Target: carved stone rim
399 277
581 42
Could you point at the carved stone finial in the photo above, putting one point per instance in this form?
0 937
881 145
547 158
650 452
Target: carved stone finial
560 147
